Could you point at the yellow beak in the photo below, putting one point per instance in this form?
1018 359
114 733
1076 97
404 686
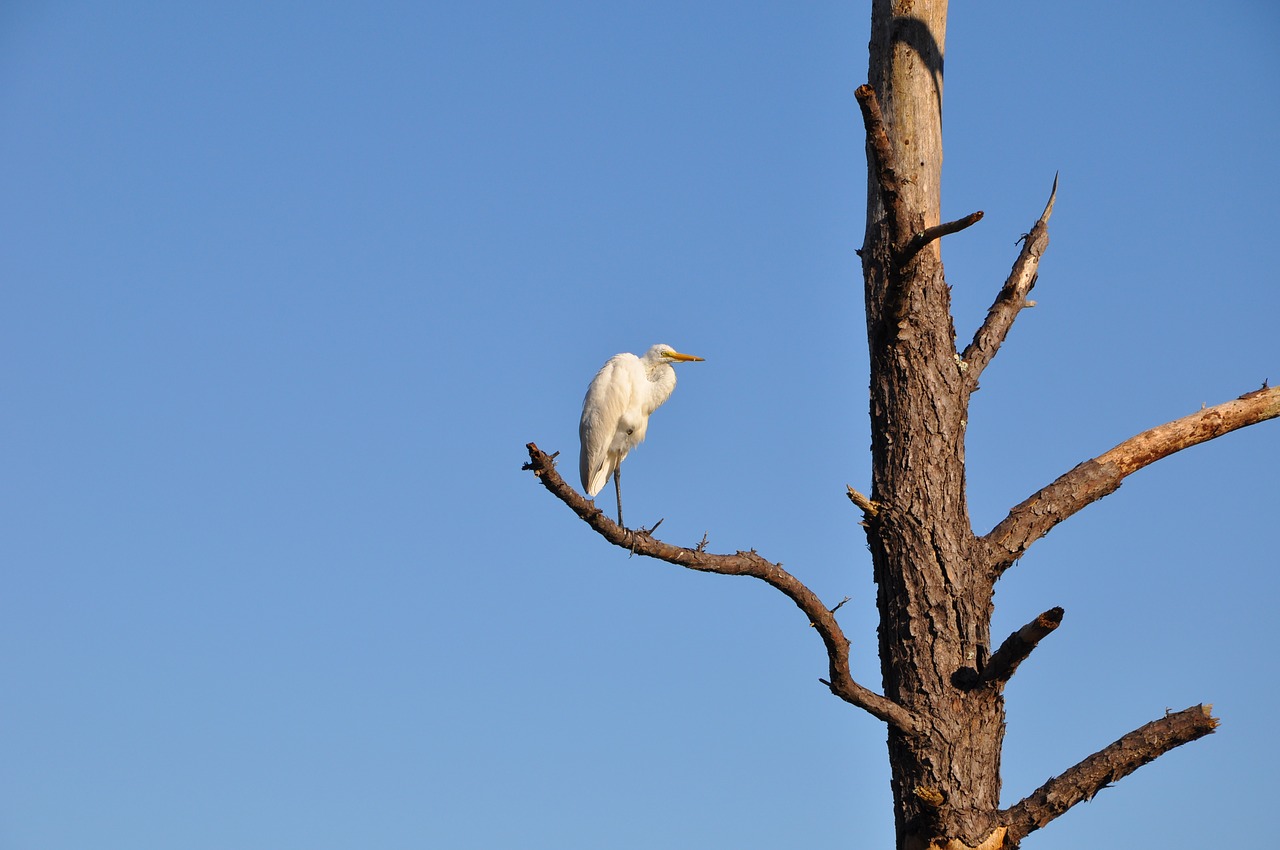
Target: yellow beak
683 358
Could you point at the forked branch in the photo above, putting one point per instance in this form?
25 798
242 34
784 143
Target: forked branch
1098 771
738 564
1093 479
1012 298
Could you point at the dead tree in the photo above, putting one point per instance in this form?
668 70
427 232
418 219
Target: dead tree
942 691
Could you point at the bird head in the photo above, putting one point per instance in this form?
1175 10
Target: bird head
662 353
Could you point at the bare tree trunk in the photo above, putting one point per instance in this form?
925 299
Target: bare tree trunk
943 685
935 579
934 599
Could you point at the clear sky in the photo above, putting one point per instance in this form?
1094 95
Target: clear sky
288 286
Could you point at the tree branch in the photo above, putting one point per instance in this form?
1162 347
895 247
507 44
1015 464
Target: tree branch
929 234
869 508
1017 646
886 167
1098 771
748 563
1011 300
1093 479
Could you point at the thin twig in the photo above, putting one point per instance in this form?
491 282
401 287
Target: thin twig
839 605
650 531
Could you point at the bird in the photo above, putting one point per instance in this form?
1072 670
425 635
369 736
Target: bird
616 410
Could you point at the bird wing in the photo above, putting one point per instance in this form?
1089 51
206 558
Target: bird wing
603 411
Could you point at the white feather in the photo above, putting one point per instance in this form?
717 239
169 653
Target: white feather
617 407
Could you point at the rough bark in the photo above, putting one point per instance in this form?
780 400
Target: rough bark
935 612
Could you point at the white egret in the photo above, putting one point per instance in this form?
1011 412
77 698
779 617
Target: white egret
615 413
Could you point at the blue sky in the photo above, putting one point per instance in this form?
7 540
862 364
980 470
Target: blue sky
288 286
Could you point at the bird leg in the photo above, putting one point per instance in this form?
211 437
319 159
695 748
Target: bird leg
617 488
